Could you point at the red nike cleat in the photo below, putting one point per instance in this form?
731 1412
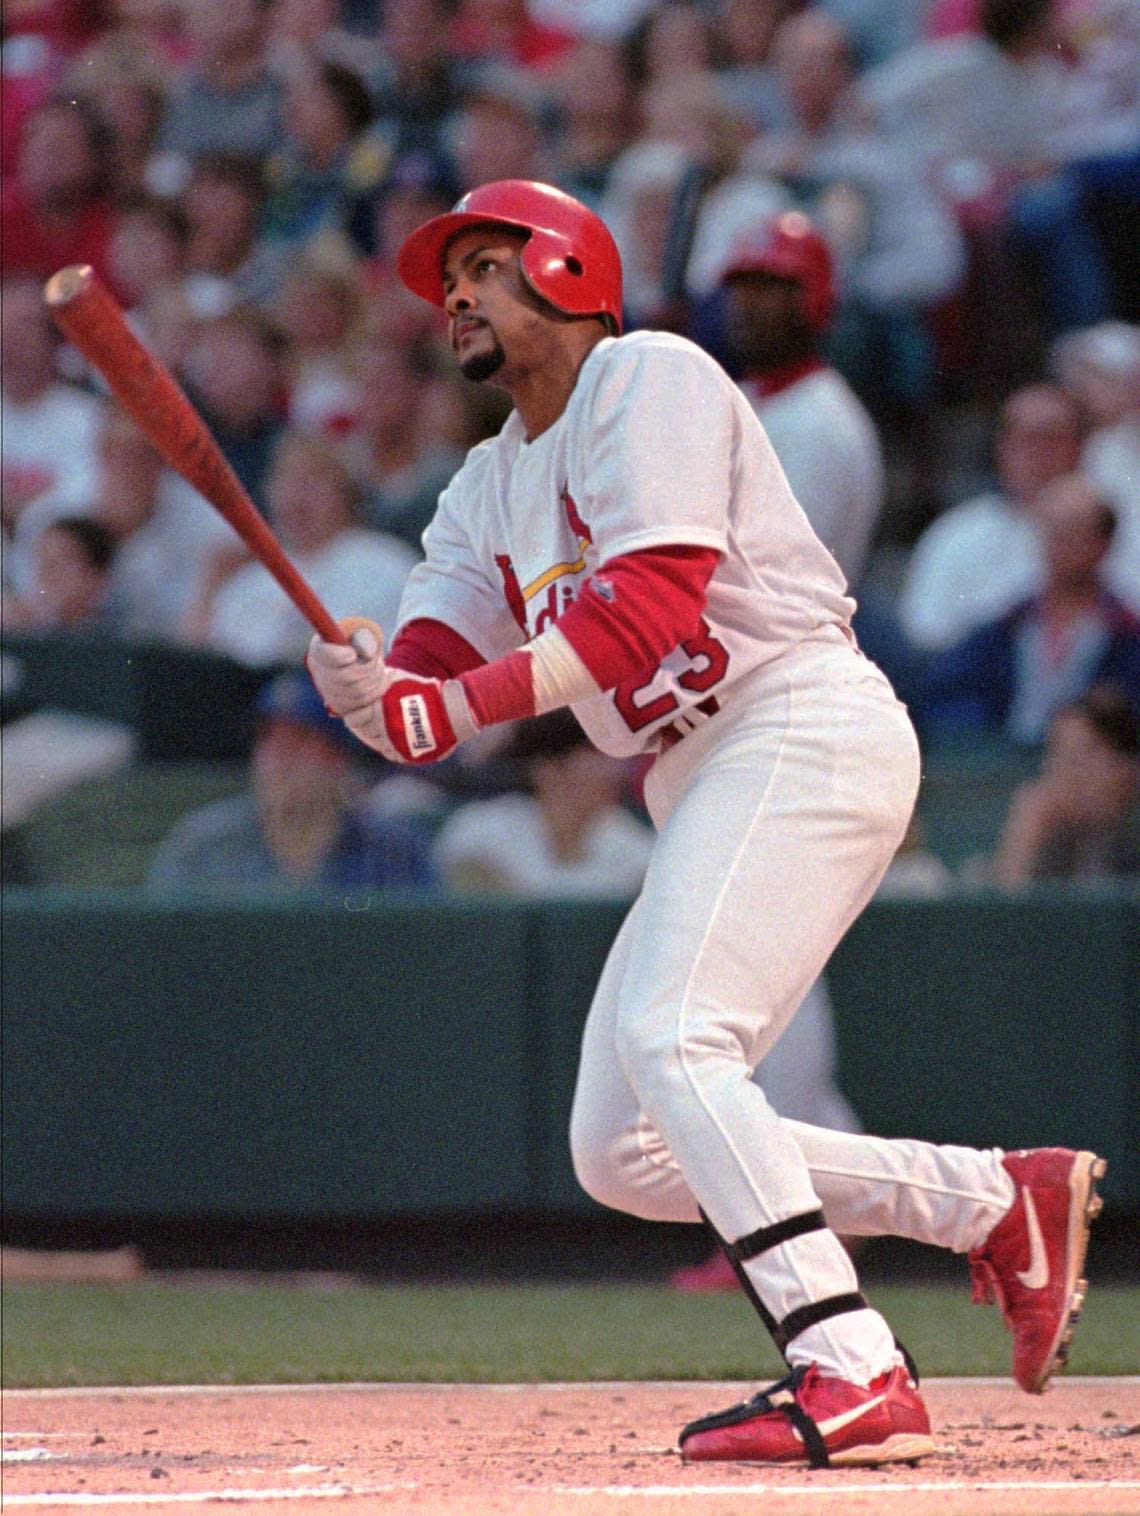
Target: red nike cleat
809 1418
715 1273
1032 1260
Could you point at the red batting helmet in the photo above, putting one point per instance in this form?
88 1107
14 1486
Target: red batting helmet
569 257
791 248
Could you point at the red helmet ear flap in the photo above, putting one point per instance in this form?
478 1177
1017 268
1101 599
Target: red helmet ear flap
570 258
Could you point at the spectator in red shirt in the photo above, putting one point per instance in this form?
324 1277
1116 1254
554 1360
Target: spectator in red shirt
54 208
65 25
504 30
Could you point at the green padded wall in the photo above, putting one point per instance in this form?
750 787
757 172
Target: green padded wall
570 943
997 1022
368 1056
292 1059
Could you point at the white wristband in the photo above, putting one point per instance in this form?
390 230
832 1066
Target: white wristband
559 675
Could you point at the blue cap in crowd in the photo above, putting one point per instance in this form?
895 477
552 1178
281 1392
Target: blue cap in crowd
292 696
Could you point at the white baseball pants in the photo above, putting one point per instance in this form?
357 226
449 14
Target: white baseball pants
776 820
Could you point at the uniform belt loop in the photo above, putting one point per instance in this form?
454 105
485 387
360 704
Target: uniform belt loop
669 735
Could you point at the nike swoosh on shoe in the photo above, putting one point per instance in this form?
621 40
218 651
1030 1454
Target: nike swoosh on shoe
845 1418
1036 1276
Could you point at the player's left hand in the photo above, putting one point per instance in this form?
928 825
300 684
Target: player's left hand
404 717
353 674
416 720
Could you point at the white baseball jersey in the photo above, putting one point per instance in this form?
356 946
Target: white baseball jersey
524 524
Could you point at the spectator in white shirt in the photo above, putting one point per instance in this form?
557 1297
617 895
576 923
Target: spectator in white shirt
47 426
313 508
569 836
1010 676
981 557
983 112
162 529
1100 367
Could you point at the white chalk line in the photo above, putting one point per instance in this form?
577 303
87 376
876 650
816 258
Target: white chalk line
68 1500
728 1386
79 1500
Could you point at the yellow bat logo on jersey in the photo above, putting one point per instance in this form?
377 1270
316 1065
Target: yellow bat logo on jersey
550 577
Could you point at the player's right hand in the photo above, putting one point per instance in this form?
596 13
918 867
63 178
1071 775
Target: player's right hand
350 676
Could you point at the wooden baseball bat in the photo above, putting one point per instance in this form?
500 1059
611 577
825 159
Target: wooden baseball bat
90 319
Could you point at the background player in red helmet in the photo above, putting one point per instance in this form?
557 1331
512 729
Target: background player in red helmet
780 300
628 545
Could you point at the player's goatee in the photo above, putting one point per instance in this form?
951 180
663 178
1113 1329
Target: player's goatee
481 366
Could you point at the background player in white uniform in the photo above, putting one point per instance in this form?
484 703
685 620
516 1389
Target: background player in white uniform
628 545
780 298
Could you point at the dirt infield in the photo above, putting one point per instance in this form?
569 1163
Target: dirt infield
546 1450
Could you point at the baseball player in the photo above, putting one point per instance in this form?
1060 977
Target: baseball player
628 546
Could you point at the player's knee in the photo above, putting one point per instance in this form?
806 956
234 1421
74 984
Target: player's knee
647 1044
597 1163
663 1054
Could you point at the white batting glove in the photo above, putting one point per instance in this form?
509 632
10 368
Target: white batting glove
352 680
349 677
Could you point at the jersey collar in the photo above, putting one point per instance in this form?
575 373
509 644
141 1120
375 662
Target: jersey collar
772 381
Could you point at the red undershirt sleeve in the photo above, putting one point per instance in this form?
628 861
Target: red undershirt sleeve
630 613
431 649
637 608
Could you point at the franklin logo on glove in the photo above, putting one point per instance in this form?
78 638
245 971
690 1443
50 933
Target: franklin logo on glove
417 725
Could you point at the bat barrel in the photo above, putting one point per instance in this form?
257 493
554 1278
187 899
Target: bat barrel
92 322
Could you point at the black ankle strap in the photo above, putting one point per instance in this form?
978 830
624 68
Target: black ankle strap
781 1397
812 1314
773 1236
805 1316
814 1445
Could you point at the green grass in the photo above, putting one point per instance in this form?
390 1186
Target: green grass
156 1333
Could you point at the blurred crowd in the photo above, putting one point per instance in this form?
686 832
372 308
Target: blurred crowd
953 386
